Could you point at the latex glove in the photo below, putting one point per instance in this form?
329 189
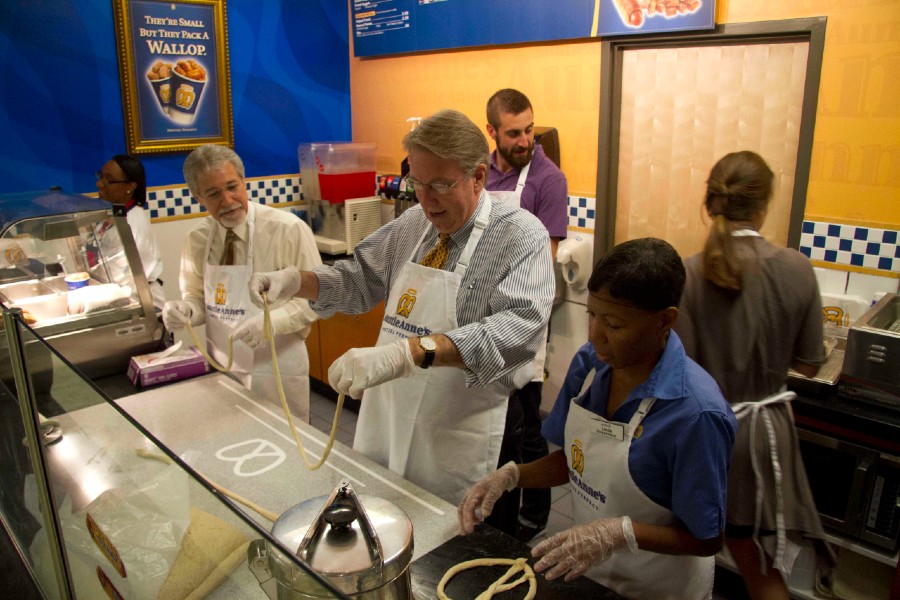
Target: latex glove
278 285
176 313
574 550
480 499
250 332
361 368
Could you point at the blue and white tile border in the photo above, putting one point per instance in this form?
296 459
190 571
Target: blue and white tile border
852 246
582 213
175 202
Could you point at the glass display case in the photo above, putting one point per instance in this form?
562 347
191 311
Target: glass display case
73 268
98 507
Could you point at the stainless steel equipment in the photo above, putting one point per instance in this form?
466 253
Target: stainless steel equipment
856 488
361 545
825 380
872 356
46 236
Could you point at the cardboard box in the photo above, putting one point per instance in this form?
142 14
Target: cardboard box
153 369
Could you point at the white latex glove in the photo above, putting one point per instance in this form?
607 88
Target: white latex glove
178 312
250 332
574 550
480 499
361 368
278 285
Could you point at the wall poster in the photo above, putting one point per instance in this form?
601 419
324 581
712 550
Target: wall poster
173 66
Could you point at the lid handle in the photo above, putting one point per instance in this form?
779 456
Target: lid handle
341 509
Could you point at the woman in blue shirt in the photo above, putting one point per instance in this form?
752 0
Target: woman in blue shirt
646 448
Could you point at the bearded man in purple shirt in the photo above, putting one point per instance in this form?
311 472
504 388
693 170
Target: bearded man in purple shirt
522 175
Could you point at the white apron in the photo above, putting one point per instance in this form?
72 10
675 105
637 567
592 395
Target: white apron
228 305
597 454
429 427
514 198
783 551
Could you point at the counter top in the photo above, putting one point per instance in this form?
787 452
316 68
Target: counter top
245 445
215 426
487 542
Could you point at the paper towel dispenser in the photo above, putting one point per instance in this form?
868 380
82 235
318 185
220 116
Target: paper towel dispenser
575 255
548 138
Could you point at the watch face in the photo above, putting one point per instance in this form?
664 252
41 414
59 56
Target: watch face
427 343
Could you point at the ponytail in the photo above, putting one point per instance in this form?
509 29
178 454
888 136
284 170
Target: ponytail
721 265
738 189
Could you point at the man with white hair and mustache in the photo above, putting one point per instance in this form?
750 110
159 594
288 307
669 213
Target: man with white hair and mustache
220 253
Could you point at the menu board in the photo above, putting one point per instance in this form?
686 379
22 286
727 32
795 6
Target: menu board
383 27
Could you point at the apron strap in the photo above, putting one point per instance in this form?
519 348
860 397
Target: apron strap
754 410
641 412
523 175
481 222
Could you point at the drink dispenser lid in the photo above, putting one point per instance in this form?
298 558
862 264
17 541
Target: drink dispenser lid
356 542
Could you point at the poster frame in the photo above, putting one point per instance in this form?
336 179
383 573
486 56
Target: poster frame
137 142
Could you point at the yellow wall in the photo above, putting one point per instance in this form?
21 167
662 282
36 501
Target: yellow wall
855 176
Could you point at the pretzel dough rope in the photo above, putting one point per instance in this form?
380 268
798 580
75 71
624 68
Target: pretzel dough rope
165 459
517 565
269 335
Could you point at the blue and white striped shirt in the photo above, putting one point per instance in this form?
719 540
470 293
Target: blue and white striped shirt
504 298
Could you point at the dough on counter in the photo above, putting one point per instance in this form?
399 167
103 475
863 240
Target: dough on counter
517 565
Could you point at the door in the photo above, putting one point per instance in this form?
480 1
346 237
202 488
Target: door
673 106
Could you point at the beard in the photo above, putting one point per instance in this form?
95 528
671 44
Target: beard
516 160
233 218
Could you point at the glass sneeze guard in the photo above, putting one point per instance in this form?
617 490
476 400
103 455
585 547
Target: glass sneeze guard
96 504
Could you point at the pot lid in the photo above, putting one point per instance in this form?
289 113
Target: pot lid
356 542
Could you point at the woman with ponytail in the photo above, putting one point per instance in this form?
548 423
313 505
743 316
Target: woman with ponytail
750 311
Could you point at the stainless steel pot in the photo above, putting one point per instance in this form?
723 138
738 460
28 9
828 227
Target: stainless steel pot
363 552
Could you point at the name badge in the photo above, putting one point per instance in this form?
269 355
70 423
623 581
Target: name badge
614 431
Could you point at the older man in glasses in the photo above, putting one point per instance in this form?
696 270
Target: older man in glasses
220 254
468 284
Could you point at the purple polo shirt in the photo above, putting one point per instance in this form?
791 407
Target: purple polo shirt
546 193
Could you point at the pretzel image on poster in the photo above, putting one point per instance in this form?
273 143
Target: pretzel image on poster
635 12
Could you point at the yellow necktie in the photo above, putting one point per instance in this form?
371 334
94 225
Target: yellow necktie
437 256
228 251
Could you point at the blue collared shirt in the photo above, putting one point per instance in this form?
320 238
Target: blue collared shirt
681 459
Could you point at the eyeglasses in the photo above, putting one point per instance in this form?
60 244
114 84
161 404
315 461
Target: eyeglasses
101 177
438 188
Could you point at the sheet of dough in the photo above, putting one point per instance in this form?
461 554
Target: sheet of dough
210 550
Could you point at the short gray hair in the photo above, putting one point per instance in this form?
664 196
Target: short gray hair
207 157
451 134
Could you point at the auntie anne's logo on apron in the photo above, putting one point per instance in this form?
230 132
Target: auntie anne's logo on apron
577 456
406 303
220 294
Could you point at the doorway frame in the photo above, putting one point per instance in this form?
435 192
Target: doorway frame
810 30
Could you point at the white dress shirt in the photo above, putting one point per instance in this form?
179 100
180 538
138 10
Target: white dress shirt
281 240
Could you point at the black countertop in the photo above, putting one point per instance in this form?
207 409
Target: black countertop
488 542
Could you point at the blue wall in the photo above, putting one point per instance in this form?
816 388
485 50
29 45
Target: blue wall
61 106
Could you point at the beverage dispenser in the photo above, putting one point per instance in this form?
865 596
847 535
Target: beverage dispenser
339 184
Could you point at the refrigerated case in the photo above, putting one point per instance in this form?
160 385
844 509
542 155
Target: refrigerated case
46 237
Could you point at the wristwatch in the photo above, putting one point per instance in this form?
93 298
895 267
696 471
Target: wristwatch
429 346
